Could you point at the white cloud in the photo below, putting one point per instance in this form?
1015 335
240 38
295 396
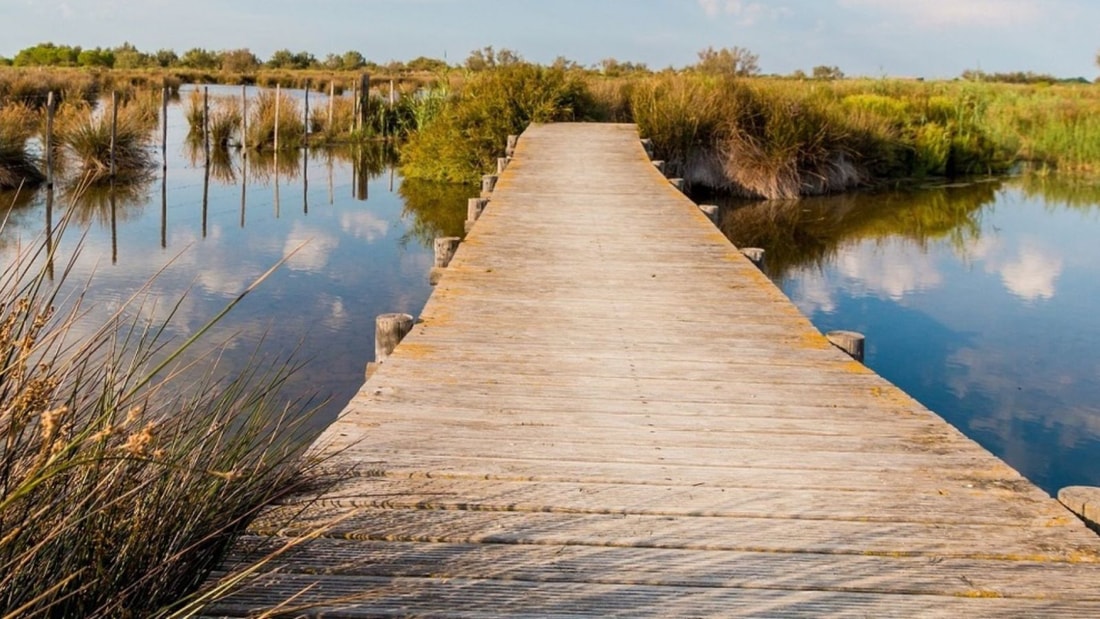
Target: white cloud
311 249
1031 275
892 268
950 13
746 13
364 225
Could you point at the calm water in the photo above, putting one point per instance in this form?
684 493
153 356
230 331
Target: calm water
362 238
980 301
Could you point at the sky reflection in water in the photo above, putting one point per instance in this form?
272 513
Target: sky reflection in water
977 300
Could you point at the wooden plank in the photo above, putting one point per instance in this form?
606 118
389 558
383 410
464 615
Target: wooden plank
605 410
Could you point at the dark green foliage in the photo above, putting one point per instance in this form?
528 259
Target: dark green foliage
465 138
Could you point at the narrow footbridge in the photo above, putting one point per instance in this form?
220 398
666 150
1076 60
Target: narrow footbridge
606 410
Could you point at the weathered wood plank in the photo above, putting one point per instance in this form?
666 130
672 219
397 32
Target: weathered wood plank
606 410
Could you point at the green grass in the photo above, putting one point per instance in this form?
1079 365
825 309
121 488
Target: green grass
126 474
262 120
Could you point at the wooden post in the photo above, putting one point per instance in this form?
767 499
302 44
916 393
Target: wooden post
393 95
114 132
659 164
474 208
711 211
354 108
1084 502
331 103
389 330
307 111
488 183
364 99
244 119
647 144
755 254
445 248
678 183
49 139
510 145
164 127
850 342
206 123
502 164
278 95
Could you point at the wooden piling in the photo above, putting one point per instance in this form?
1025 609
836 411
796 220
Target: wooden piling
488 183
244 119
755 254
502 164
306 118
711 211
114 131
647 144
164 92
850 342
364 99
445 248
389 330
474 208
206 124
1084 502
50 105
510 146
278 95
659 164
678 183
331 104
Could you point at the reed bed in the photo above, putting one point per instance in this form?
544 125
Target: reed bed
18 168
126 474
86 134
262 119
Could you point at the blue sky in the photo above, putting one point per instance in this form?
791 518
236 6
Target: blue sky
930 38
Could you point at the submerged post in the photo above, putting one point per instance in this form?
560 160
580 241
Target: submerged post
1084 502
389 330
206 123
850 342
445 248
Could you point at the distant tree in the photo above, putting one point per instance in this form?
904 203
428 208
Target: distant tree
352 60
47 55
166 58
199 58
612 67
728 61
487 58
564 64
285 59
239 61
822 72
424 64
97 57
5 61
129 57
798 74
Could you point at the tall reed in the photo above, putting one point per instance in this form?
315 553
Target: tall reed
124 475
86 133
17 166
262 119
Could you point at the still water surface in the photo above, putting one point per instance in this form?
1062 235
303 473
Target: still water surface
978 300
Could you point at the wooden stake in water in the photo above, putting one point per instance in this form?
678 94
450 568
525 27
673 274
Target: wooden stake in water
244 120
307 110
278 95
206 124
364 99
331 102
49 139
164 127
114 133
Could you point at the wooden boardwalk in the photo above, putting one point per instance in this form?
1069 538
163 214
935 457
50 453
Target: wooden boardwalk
605 410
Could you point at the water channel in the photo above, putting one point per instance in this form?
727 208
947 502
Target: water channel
978 299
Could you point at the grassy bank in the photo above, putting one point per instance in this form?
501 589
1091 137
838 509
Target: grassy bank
775 138
125 476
